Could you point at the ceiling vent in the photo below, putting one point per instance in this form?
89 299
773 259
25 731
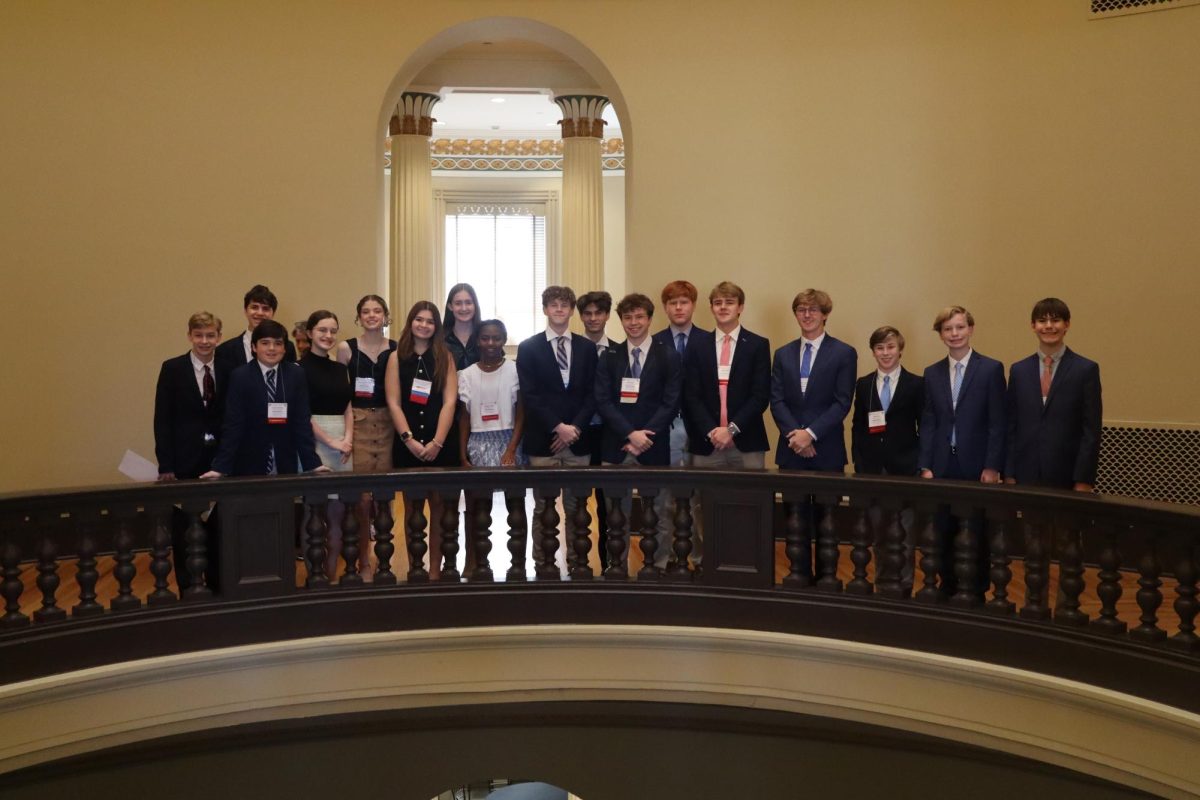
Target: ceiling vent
1101 9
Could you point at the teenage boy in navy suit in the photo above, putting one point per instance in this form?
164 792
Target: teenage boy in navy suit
962 431
594 310
258 304
1054 408
679 303
268 425
188 405
557 370
884 432
637 393
726 387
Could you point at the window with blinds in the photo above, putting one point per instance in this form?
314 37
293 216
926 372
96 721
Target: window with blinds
501 251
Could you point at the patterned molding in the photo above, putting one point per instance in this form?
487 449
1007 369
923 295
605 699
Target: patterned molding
510 155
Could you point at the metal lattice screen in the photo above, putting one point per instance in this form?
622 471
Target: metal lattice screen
1150 463
1114 8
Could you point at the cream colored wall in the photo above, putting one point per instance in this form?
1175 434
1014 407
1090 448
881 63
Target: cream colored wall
161 158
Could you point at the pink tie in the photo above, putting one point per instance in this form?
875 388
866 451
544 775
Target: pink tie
1046 375
723 385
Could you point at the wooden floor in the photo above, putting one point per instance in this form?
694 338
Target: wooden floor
500 560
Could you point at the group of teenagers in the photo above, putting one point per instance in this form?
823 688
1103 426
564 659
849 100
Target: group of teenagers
444 394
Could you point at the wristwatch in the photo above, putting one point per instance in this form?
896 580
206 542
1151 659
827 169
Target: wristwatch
734 430
404 437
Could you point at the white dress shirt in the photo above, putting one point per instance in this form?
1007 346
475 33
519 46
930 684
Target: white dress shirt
894 375
552 338
733 340
199 366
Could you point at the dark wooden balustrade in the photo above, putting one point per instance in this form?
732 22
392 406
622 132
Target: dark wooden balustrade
827 523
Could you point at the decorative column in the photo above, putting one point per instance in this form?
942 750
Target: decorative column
583 191
411 224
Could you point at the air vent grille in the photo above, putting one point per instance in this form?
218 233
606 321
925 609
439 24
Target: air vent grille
1116 8
1153 463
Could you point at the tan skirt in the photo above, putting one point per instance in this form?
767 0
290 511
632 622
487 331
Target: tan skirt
373 434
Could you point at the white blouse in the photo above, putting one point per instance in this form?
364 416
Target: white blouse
476 387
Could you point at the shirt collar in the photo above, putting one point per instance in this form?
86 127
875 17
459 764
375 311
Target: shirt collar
199 365
1056 356
816 343
265 369
675 331
894 374
552 337
964 361
736 333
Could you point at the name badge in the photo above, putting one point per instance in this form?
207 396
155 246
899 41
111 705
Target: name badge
420 391
804 384
364 387
629 389
277 413
723 373
489 412
876 422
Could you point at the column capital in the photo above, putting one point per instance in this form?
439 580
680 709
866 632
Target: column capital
413 114
582 115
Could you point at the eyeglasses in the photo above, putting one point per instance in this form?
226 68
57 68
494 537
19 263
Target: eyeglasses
805 311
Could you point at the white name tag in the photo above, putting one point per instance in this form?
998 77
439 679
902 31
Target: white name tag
364 387
804 384
277 413
723 373
630 387
420 391
489 412
876 422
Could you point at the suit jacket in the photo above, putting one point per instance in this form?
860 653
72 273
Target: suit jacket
896 450
979 418
747 393
823 408
1058 443
547 401
233 352
666 337
181 420
247 436
656 406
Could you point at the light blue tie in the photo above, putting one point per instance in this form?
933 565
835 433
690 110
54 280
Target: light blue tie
636 369
806 360
958 373
885 397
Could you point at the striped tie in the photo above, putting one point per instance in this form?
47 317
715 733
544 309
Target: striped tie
563 364
272 393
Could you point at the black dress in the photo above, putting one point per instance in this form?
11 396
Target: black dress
464 354
423 419
361 366
328 385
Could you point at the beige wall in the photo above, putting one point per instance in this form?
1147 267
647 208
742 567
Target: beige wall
160 158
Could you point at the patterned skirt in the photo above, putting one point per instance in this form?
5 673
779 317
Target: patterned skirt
373 433
484 448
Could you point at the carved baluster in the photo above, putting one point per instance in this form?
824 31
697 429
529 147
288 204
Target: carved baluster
11 587
860 551
518 532
828 554
681 539
1185 599
384 549
450 573
649 542
548 569
968 593
47 579
581 539
87 575
1149 595
482 545
889 576
350 546
999 561
1037 573
318 543
197 552
618 537
798 548
1070 569
1109 589
414 526
124 570
931 560
160 557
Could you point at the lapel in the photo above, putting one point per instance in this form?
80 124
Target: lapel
188 376
941 380
968 374
708 352
1064 366
817 367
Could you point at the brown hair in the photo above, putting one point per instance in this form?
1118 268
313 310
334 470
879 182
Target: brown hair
1050 307
679 289
387 315
813 297
552 293
881 335
437 345
601 300
203 319
631 302
727 289
948 312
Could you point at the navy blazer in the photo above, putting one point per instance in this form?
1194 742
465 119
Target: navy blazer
232 351
547 401
246 434
666 337
896 450
823 408
979 418
656 406
746 397
181 420
1058 443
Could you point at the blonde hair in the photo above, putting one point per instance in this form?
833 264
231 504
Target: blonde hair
948 312
204 319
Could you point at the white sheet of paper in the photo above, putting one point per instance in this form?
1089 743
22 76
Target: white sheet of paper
137 468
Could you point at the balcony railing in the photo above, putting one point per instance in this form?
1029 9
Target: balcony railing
1088 546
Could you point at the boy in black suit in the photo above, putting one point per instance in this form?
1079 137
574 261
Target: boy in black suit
259 304
679 304
1054 408
884 431
637 393
594 310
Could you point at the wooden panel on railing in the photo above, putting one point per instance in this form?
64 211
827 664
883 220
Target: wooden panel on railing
257 549
739 549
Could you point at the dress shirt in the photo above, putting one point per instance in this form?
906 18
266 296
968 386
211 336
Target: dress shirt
246 346
199 366
964 361
719 337
645 348
816 348
600 343
1055 357
687 334
552 338
894 375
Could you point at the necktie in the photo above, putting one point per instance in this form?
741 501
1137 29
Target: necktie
636 369
885 397
806 360
271 395
680 343
723 385
1047 374
563 364
210 387
958 372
